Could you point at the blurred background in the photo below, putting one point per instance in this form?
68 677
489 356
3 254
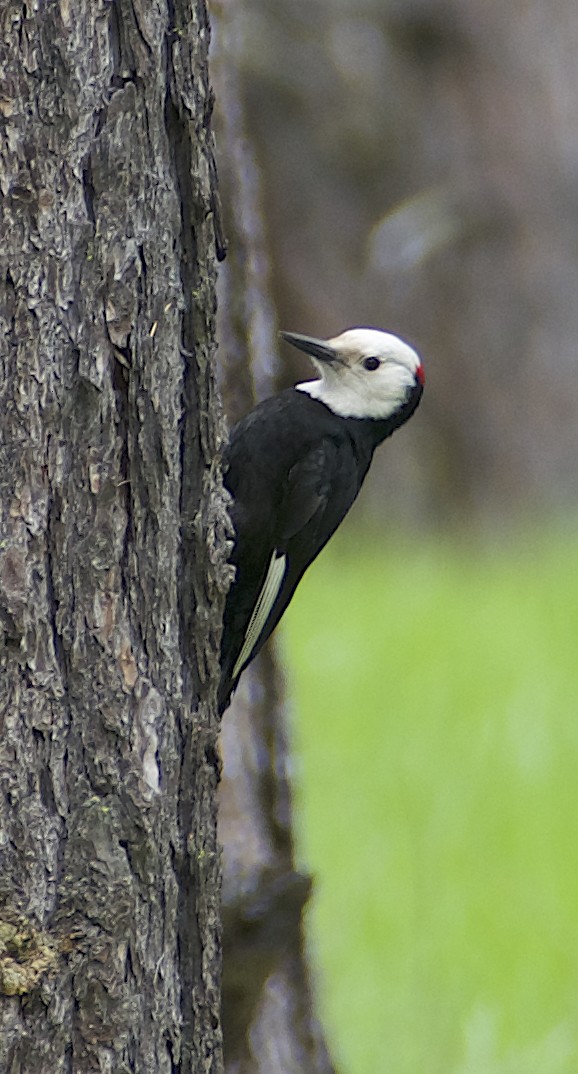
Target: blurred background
413 165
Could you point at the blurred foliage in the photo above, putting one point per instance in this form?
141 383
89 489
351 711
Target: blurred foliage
437 802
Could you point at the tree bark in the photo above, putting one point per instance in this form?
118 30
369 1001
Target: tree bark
113 541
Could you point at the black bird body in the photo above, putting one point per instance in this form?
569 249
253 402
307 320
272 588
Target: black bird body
293 467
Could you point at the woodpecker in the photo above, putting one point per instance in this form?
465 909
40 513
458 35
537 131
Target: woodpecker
295 464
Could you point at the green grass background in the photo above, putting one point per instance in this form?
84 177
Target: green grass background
435 691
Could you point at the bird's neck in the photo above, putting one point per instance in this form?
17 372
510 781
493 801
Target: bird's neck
368 433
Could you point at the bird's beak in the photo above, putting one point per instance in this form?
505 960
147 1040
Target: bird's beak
316 348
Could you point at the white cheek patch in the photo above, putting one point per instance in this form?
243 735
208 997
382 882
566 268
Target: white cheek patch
265 601
370 395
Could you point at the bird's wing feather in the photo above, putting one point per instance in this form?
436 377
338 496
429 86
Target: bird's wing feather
306 489
264 603
304 494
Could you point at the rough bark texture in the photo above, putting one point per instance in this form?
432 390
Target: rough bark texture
269 1023
112 541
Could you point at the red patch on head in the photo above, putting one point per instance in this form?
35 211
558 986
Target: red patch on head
420 375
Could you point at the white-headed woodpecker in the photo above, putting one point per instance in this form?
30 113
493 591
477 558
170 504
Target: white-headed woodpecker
294 466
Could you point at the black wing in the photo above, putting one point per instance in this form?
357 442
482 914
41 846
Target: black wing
309 505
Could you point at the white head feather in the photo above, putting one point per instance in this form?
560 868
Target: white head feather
354 387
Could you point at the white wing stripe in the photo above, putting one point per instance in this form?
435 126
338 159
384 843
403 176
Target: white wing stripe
263 605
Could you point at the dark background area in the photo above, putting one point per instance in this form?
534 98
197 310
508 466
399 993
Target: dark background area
418 165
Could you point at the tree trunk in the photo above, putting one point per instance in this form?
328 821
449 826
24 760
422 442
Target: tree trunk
269 1022
112 541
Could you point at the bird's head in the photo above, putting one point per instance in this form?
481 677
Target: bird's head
364 373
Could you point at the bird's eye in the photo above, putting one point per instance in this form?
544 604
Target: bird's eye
371 364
